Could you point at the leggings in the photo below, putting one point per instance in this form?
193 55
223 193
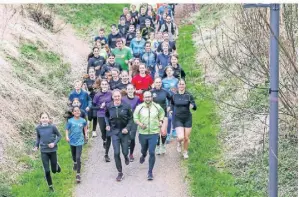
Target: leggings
47 159
106 138
133 131
163 140
94 124
120 140
76 155
148 143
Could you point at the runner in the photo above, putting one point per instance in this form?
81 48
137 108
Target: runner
102 99
161 20
149 59
133 101
125 12
170 83
163 59
83 96
47 137
123 28
113 36
134 14
161 97
130 35
145 32
149 118
142 17
134 67
171 28
177 69
153 41
122 54
172 46
96 61
182 102
118 120
109 65
142 81
125 80
137 45
115 82
75 138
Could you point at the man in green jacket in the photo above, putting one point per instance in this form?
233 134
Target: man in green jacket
122 54
149 118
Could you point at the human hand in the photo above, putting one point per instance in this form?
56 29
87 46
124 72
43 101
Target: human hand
107 128
67 139
87 109
35 148
51 145
124 131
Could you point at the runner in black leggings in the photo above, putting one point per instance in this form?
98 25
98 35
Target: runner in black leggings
162 97
101 100
119 118
182 102
47 137
133 101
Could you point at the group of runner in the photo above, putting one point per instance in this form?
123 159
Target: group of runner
133 83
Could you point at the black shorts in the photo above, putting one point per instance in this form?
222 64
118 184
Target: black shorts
182 121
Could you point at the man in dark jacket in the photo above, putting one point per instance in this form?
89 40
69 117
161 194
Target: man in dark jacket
119 119
113 36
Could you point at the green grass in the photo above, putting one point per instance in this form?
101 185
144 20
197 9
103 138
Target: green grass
206 169
88 18
32 182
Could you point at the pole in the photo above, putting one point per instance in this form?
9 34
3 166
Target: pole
274 81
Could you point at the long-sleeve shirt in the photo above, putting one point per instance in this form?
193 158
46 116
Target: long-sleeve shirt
137 46
142 83
112 40
162 61
170 83
46 135
102 97
150 116
107 67
161 97
181 104
149 59
94 62
133 102
84 98
118 118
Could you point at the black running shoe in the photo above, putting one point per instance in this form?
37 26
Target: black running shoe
142 159
150 176
78 178
107 158
120 176
127 160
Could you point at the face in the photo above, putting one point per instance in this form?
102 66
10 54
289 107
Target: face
148 47
174 60
142 69
76 103
124 76
113 29
104 86
169 72
126 11
122 22
138 34
181 85
165 49
168 19
116 97
164 16
119 44
165 37
159 35
91 73
96 52
78 85
76 112
111 59
101 33
132 28
147 23
44 119
108 76
147 97
152 35
158 83
142 11
128 16
149 13
130 89
114 74
98 43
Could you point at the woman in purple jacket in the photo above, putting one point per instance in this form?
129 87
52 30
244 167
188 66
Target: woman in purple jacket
101 100
133 101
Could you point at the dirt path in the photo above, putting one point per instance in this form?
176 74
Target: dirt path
98 177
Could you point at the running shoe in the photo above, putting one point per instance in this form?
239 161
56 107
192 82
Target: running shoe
107 158
78 178
58 168
131 158
168 138
150 176
185 155
120 176
127 161
158 152
142 159
75 167
163 149
174 135
51 189
179 147
94 134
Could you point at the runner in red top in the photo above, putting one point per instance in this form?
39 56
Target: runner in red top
142 81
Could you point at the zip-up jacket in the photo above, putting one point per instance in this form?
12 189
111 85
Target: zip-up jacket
149 116
123 29
112 40
46 135
100 98
118 118
137 46
180 103
162 61
96 61
149 59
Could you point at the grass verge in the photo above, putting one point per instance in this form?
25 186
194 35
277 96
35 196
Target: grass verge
206 170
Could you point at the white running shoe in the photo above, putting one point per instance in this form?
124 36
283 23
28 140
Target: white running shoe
163 149
158 152
185 155
94 134
179 147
